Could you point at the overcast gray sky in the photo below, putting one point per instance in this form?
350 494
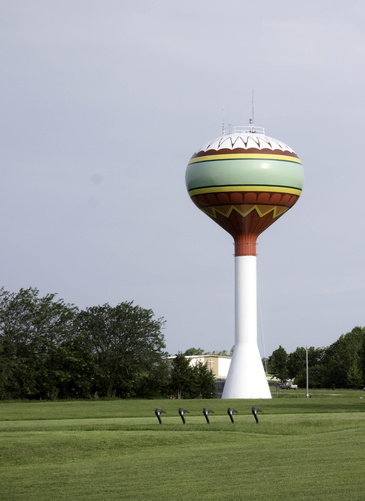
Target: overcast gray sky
102 105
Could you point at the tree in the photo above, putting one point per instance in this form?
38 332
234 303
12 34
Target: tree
200 351
297 366
191 381
296 363
50 349
355 377
221 353
344 360
278 363
76 365
182 382
193 351
127 344
204 380
32 330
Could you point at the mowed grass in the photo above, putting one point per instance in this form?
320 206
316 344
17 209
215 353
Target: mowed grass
301 449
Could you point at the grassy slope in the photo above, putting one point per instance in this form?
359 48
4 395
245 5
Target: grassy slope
302 449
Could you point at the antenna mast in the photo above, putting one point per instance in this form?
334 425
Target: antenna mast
252 111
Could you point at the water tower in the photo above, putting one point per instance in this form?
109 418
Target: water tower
244 181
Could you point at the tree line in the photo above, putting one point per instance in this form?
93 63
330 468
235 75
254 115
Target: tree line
340 365
50 349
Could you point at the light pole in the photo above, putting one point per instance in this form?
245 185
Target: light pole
306 367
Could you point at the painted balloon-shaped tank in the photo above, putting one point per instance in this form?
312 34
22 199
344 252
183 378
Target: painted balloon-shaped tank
244 180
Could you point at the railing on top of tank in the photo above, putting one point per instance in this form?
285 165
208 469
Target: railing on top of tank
231 129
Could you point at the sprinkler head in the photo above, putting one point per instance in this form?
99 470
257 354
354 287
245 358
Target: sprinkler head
158 413
182 412
255 410
230 412
206 412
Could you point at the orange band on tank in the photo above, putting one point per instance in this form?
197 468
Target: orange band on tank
245 245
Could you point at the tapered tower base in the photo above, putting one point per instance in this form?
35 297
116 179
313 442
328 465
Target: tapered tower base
246 377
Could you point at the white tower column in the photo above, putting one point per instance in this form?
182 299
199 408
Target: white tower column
246 377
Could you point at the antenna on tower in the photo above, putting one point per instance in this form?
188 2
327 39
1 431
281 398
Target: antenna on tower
252 111
223 124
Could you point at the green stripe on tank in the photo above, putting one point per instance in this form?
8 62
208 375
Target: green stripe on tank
244 172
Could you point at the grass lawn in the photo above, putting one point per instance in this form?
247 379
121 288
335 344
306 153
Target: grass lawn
302 449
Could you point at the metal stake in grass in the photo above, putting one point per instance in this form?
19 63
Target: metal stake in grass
158 413
230 412
182 412
255 410
206 412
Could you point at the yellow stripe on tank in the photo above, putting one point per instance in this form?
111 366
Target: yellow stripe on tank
236 156
215 189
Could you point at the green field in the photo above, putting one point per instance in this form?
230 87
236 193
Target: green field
115 449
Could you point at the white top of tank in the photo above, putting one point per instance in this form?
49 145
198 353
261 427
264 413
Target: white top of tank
249 137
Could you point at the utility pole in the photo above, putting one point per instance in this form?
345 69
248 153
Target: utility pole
306 367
